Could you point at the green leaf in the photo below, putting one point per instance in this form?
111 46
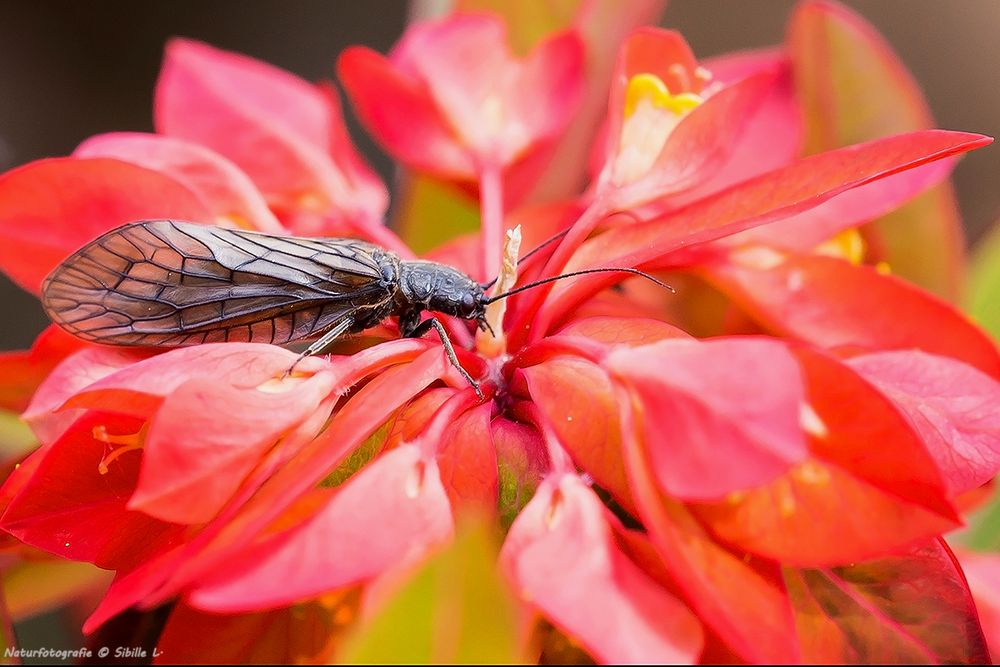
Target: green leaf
431 213
456 610
32 588
529 21
983 296
16 439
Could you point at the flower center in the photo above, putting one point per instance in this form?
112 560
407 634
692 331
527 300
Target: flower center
651 114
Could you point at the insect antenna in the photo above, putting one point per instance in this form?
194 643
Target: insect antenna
555 237
572 274
548 241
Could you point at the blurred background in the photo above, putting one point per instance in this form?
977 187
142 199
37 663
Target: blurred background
69 70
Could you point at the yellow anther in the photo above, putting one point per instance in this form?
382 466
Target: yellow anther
883 268
649 87
848 245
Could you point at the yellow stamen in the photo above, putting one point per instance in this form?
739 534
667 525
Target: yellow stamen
848 245
651 114
128 442
883 268
649 87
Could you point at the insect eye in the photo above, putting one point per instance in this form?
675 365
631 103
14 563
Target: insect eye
468 300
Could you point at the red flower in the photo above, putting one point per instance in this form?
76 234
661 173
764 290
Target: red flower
778 496
452 101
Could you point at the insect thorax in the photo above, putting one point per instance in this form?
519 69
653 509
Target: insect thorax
440 288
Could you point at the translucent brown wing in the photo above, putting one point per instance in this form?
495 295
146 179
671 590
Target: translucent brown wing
161 282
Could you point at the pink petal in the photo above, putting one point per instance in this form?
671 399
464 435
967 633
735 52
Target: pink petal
701 144
837 305
140 388
401 115
220 184
808 229
262 502
551 84
391 513
50 208
73 374
273 125
562 558
951 405
718 415
462 60
652 51
770 138
743 600
773 196
467 462
207 437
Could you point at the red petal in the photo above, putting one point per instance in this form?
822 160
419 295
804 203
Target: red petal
392 512
521 463
222 187
262 501
209 434
766 198
719 415
982 571
852 88
562 558
740 598
21 373
275 126
834 304
401 115
140 388
467 461
952 407
498 106
870 490
576 401
550 87
704 141
652 51
770 138
808 229
68 508
413 418
911 608
300 634
45 414
50 208
631 331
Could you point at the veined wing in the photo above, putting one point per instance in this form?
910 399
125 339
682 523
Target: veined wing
161 282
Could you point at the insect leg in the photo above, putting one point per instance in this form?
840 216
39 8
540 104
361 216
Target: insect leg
324 341
449 349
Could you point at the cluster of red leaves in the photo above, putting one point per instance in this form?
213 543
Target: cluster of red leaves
773 492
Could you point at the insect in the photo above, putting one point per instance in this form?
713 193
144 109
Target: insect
169 283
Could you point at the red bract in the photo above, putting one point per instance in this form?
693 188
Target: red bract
285 133
666 497
452 101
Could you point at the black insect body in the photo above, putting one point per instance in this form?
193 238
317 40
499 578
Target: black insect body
168 283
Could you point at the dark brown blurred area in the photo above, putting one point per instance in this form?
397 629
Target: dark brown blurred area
69 70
